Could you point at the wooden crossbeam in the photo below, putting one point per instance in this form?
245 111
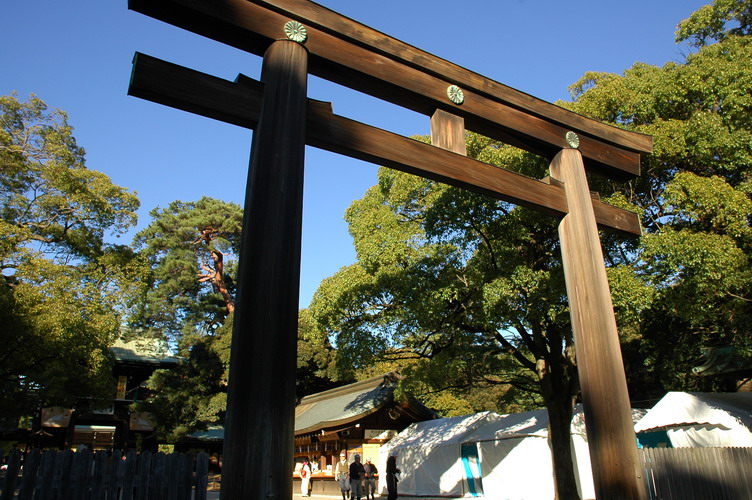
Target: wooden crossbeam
239 103
351 54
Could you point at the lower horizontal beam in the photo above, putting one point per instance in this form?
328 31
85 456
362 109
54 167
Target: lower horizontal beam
239 103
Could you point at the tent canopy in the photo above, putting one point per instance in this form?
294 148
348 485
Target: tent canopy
701 419
443 431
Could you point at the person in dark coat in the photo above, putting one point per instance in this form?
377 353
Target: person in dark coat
371 472
391 476
356 477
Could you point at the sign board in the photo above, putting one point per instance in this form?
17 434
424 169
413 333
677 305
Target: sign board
56 416
105 410
379 434
166 448
141 421
371 451
121 386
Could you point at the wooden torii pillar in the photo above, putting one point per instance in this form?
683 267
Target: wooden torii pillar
260 421
258 441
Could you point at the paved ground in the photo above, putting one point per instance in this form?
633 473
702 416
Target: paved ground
333 496
313 497
214 495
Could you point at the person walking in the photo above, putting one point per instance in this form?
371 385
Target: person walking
370 478
305 478
342 474
356 478
391 476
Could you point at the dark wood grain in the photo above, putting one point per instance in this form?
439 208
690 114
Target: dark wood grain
357 33
260 423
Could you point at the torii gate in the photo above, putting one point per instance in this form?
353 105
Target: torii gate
296 37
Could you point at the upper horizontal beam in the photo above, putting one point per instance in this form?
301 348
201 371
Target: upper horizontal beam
333 22
239 103
364 59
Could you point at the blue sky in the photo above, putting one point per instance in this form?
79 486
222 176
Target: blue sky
76 55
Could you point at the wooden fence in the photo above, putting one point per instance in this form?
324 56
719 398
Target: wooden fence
698 473
671 473
64 475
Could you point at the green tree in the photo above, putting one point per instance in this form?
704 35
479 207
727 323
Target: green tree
63 289
192 249
711 22
465 292
193 395
316 369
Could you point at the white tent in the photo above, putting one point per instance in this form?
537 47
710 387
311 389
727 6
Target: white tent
429 454
701 419
483 455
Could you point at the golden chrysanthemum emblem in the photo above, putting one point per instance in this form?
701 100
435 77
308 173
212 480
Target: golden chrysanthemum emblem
572 140
295 31
455 94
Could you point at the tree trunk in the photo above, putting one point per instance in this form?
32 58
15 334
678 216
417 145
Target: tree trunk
559 387
559 434
219 281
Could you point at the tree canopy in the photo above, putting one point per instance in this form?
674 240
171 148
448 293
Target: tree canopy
465 292
63 290
715 22
192 249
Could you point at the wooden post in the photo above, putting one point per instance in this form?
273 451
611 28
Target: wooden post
259 428
608 416
448 132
